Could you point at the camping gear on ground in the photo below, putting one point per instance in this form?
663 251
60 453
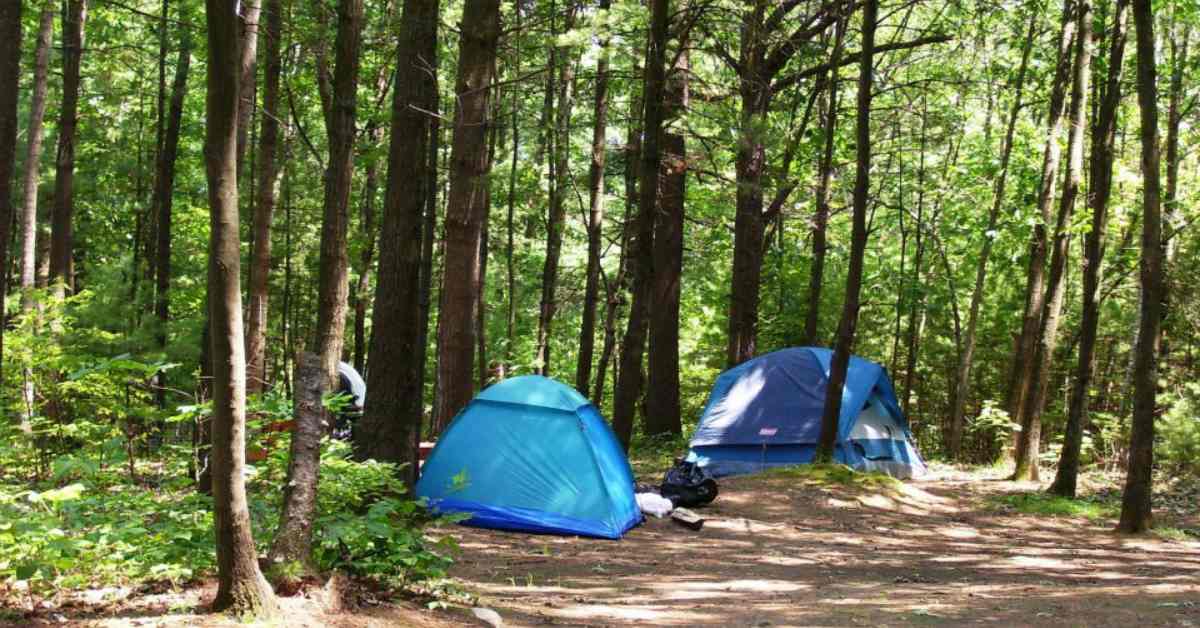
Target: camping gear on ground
687 518
533 455
654 504
766 412
687 484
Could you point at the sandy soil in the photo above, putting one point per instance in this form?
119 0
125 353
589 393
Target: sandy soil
775 552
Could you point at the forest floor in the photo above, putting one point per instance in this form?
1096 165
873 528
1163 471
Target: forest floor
791 547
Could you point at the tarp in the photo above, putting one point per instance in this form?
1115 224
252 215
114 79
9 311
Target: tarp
767 412
532 454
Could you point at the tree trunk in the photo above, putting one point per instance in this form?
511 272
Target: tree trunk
595 225
1019 383
1136 513
966 360
816 277
858 244
917 307
29 209
164 190
615 288
258 292
33 156
1038 371
247 63
62 237
241 588
391 421
10 83
560 179
293 537
510 337
1171 224
641 254
662 398
1100 178
466 207
367 257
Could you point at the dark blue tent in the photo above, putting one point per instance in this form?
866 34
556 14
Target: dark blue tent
533 455
766 412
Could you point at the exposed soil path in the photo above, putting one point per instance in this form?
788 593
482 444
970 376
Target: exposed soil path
777 551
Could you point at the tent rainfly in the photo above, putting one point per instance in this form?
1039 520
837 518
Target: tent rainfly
531 454
766 412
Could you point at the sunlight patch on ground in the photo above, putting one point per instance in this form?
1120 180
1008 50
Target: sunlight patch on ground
957 532
633 613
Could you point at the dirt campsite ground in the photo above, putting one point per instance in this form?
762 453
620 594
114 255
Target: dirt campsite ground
785 550
792 548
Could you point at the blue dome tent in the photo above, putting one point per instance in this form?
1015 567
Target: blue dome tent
766 412
533 455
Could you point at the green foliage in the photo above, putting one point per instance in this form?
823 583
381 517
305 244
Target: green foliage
1178 445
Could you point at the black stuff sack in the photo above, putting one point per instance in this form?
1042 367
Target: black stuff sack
688 485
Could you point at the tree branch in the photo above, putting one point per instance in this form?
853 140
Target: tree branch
853 58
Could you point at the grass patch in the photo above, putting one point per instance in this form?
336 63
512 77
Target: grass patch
1046 505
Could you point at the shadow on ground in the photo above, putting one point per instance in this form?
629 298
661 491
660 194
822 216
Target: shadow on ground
776 551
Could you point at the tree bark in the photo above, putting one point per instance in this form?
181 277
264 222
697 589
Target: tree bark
641 254
1100 179
293 537
367 256
241 588
33 156
10 83
1019 382
164 190
615 288
466 207
966 360
29 208
1038 370
595 224
62 237
258 293
1136 512
247 69
858 244
816 277
662 398
560 178
391 421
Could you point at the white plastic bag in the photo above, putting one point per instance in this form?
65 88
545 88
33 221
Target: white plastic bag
654 504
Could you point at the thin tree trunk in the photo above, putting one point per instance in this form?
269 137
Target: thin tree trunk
1100 179
1136 513
595 224
241 588
1019 382
164 189
641 256
1172 228
560 179
294 536
615 289
258 292
367 257
966 360
29 210
247 67
391 421
820 222
858 244
62 237
917 307
510 337
662 385
466 207
10 83
1028 441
